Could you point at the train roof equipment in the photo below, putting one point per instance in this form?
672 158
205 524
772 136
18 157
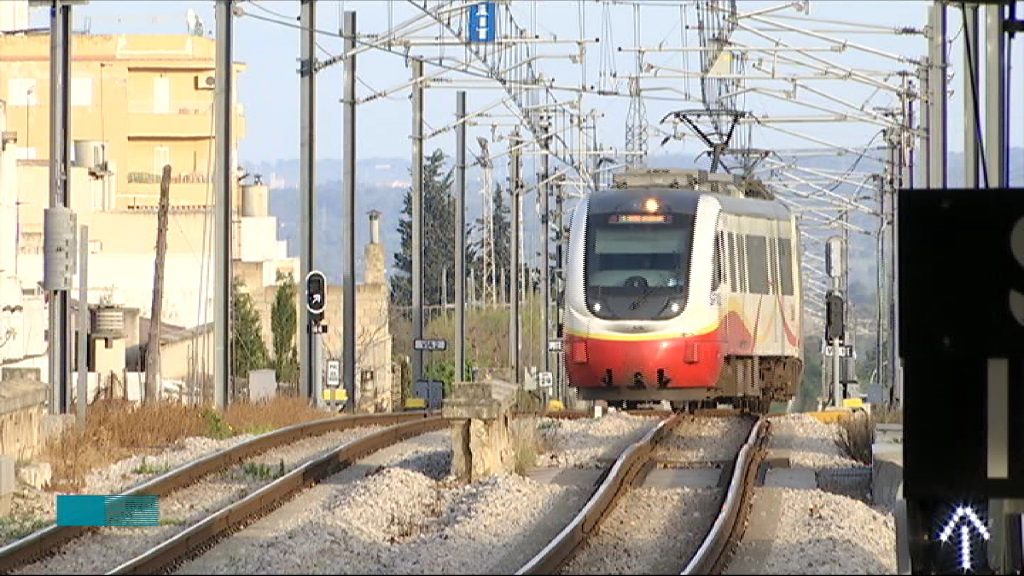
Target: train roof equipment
692 179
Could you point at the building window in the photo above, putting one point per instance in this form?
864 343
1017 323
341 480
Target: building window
22 92
161 95
81 92
161 158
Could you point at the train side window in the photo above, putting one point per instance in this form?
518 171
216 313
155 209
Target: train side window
786 265
717 276
741 262
730 240
757 264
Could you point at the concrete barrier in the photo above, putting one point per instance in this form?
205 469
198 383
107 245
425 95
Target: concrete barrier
886 463
21 415
479 416
886 472
7 485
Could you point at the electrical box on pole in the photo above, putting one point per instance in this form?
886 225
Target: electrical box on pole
834 257
835 327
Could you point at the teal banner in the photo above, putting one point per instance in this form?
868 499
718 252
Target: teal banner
99 510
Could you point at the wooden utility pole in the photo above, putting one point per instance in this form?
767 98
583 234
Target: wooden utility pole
153 346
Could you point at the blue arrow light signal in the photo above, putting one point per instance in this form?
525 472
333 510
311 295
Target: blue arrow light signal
965 532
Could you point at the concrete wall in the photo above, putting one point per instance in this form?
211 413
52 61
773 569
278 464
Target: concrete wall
21 415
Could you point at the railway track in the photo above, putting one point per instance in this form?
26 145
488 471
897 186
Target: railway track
46 543
628 470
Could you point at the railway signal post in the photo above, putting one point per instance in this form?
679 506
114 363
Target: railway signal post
961 256
316 303
835 328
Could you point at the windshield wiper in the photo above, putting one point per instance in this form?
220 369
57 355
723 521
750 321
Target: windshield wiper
643 297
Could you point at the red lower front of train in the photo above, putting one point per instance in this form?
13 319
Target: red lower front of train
683 362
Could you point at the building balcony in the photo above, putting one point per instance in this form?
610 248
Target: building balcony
185 119
143 189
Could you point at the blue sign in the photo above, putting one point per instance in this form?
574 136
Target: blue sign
96 510
482 22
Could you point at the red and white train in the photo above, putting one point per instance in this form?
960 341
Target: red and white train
683 286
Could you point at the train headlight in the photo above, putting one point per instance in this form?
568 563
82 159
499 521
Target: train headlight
672 308
651 205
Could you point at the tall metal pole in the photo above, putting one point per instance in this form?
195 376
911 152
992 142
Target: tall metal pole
348 219
307 190
513 319
460 236
937 95
56 238
971 85
995 89
545 293
225 180
417 215
923 159
83 324
560 250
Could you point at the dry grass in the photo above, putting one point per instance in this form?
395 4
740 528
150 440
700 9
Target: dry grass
856 433
261 417
527 443
855 437
117 429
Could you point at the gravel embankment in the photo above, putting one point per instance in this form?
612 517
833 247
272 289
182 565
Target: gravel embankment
824 533
33 509
106 549
397 512
813 443
589 443
655 530
813 531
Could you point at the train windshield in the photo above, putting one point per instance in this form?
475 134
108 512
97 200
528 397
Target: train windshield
637 264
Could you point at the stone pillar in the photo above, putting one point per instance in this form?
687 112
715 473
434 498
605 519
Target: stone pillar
479 417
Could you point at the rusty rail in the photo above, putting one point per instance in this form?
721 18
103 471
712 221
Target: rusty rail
710 557
50 539
602 501
185 544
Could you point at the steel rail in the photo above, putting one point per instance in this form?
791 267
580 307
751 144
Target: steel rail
47 541
202 534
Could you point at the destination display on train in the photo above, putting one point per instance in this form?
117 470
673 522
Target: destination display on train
640 219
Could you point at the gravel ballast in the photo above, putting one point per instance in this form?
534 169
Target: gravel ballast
107 548
824 533
33 509
813 531
656 530
812 442
398 511
590 443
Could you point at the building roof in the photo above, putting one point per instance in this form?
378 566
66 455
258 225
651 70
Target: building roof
171 334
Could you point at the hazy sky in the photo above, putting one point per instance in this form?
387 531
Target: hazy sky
269 89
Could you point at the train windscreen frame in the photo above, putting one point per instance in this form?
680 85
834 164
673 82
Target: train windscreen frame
636 266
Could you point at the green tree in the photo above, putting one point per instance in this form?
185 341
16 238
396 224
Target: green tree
438 237
248 351
283 324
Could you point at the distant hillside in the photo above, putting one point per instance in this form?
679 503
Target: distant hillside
382 183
